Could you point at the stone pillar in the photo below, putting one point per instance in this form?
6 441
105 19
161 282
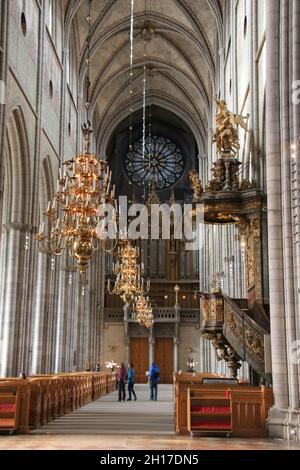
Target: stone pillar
277 307
126 335
176 337
100 298
256 160
39 315
283 22
296 164
13 285
151 348
61 327
3 76
176 354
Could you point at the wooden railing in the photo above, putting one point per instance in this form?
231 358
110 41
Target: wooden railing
189 315
227 323
160 314
46 397
244 335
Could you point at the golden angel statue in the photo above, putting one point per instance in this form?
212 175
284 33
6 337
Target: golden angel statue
226 134
196 184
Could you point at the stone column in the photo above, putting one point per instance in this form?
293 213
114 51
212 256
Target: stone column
273 148
176 354
176 338
61 327
256 160
290 25
151 348
126 335
100 297
283 64
3 76
10 309
296 134
39 315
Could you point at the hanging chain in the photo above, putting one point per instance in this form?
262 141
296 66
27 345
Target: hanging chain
88 63
144 102
144 123
131 78
150 149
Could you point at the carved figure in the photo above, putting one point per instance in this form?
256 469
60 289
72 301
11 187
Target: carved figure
196 184
226 133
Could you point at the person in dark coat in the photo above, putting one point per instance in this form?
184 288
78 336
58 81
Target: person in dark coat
131 378
154 377
121 378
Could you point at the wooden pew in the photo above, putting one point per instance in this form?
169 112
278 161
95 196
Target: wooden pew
249 405
20 387
9 411
35 409
48 396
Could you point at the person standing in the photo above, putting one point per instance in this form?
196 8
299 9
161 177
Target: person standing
154 377
122 377
131 378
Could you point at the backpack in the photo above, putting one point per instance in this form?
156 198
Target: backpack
155 375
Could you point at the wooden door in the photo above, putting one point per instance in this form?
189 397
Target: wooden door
164 359
139 356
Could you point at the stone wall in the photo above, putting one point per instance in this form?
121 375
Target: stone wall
49 321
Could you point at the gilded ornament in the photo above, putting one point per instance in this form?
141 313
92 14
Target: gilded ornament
196 185
226 134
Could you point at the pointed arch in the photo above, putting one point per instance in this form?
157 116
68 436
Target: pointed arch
17 176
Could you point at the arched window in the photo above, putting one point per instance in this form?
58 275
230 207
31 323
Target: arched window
162 162
71 63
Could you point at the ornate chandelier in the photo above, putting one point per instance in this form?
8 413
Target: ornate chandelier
112 365
129 281
142 311
74 217
83 187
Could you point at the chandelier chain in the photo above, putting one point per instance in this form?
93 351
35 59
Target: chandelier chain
88 61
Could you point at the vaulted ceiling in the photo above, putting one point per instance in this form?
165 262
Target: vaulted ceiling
181 56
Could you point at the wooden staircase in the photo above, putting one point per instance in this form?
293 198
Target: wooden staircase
236 331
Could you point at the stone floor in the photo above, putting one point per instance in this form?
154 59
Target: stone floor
136 442
109 416
142 425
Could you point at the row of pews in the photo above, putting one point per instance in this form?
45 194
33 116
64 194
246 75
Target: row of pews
30 403
207 403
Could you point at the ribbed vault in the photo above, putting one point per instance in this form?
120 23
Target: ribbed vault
181 56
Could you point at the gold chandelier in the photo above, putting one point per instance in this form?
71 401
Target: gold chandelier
74 218
82 189
129 281
142 311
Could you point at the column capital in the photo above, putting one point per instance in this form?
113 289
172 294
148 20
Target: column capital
19 226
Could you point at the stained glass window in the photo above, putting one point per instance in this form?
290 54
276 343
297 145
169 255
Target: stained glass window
163 162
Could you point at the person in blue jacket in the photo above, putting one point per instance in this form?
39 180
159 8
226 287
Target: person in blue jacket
154 377
131 378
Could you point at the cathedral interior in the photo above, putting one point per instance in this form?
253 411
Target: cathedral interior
174 105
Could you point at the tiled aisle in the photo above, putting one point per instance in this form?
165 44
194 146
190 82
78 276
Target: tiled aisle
109 425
